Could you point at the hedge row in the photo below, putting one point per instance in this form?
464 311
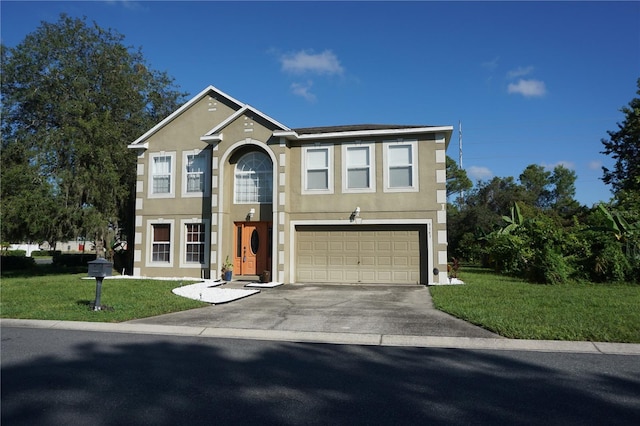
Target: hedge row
45 253
73 259
14 263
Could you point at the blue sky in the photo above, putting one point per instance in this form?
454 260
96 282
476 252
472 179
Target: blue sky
531 82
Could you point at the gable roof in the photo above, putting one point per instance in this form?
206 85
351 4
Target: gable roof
303 133
242 108
213 134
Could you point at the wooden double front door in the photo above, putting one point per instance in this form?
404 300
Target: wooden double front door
252 248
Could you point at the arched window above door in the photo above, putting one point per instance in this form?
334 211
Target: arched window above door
253 179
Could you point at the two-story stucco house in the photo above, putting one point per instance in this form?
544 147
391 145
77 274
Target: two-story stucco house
219 179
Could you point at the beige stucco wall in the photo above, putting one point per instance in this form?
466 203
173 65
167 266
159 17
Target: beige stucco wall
250 131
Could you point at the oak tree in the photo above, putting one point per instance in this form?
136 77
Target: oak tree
73 97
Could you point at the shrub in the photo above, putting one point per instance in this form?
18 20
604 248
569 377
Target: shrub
548 266
14 253
42 253
73 260
14 263
610 263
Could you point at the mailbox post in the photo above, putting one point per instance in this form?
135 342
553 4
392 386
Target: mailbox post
99 269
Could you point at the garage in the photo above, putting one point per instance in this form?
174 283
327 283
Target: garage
380 254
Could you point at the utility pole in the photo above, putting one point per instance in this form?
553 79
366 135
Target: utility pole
461 200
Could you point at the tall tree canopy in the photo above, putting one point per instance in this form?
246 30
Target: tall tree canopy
73 97
623 146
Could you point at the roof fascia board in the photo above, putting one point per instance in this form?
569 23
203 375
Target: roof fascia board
180 110
139 146
292 135
211 138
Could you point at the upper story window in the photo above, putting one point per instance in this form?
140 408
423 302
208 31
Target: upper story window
254 179
162 175
359 168
195 173
317 171
401 168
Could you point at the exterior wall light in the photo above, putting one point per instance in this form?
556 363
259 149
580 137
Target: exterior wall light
355 215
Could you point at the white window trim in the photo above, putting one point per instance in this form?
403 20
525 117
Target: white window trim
172 180
183 243
414 169
303 169
206 175
372 167
266 173
149 258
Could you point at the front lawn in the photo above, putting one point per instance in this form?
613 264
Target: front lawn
520 310
68 297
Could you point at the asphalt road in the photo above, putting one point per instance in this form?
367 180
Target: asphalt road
54 377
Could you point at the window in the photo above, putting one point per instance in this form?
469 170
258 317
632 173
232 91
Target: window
359 170
254 179
317 171
162 175
400 167
195 173
161 245
194 243
194 249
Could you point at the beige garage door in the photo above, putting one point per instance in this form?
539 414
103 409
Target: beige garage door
380 255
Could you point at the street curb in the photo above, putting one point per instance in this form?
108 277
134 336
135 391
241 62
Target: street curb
475 343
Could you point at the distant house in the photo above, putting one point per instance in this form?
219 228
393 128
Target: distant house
219 179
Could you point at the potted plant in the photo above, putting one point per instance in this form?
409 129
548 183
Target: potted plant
227 269
265 276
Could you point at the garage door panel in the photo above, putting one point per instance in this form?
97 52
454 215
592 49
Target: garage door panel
351 246
400 262
320 246
351 261
384 261
358 255
320 261
367 260
336 261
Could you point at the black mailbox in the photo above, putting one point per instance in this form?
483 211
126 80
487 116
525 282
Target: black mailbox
100 268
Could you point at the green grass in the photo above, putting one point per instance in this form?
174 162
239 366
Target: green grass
520 310
68 296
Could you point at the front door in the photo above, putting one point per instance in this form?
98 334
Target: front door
252 248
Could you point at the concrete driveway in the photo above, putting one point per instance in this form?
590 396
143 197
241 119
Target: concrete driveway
361 309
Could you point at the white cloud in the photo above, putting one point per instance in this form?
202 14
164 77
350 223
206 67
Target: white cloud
308 62
128 4
479 173
566 164
520 72
528 88
303 89
595 165
492 64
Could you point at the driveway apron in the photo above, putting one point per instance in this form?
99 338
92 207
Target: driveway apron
362 309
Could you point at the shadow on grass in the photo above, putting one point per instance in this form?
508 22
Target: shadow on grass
477 269
91 303
85 378
43 270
